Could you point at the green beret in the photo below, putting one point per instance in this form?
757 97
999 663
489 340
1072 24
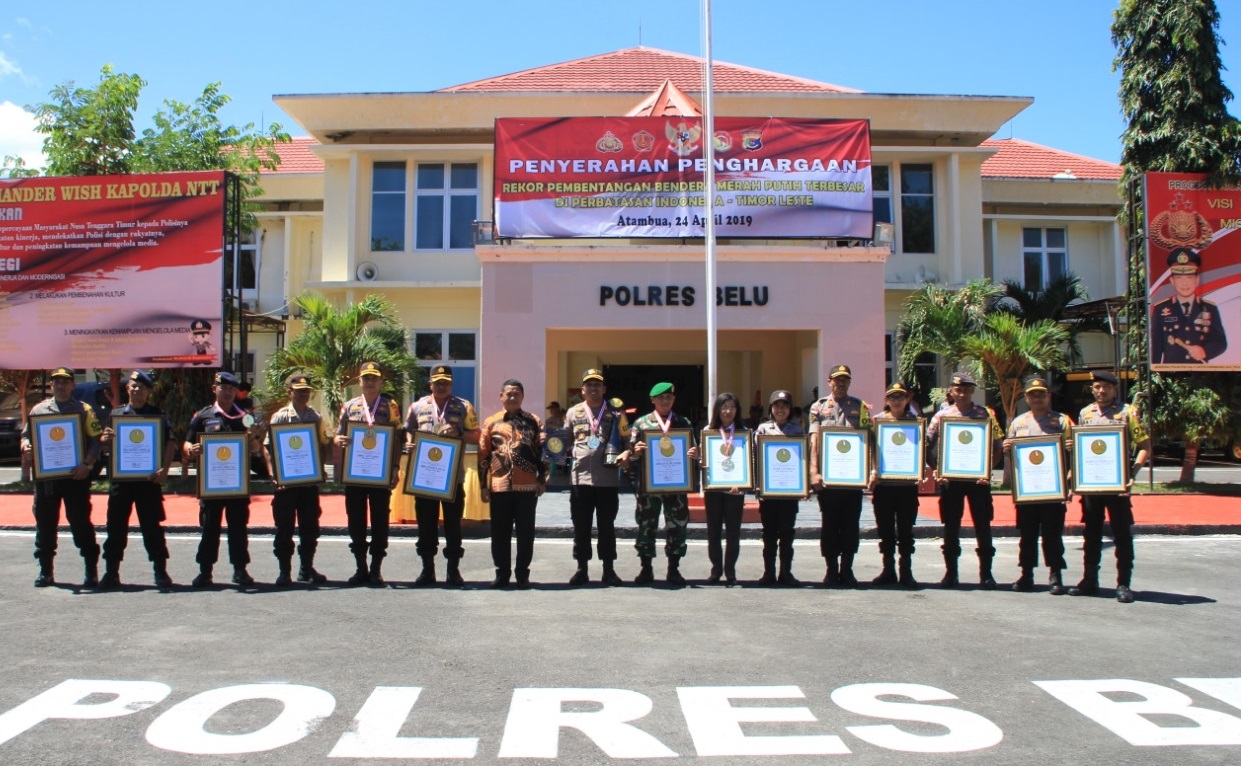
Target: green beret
662 388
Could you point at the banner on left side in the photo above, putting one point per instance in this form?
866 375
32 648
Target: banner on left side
112 271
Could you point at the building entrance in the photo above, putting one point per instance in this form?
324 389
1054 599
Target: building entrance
632 383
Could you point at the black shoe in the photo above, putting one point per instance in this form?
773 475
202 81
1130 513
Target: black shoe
674 577
846 579
501 581
986 581
360 577
714 578
44 579
1025 583
523 581
950 580
284 579
1086 587
580 577
203 580
646 575
308 574
907 580
162 580
91 579
730 579
242 577
110 579
1123 594
768 579
886 577
1055 585
426 577
611 578
788 580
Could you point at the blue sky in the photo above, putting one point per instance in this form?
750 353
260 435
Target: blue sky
1057 51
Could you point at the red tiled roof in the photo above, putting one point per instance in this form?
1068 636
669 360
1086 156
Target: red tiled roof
645 69
1023 159
296 157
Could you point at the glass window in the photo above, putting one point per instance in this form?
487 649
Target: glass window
245 268
917 209
1044 256
881 183
429 346
447 206
388 206
462 347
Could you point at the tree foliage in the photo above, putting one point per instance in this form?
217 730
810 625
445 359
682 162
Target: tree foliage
1052 302
937 320
333 345
1008 349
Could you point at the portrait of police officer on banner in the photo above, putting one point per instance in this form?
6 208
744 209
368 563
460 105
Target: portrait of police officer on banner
1185 329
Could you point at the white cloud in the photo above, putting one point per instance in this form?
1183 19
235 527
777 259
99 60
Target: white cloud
8 67
18 136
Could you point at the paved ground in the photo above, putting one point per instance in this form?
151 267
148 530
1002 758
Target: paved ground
596 675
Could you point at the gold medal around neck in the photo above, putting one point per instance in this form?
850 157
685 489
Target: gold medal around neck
368 439
726 449
665 446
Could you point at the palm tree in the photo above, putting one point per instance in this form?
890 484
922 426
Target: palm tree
938 320
335 343
1051 302
1192 408
1006 351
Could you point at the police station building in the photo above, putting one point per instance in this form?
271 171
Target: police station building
397 193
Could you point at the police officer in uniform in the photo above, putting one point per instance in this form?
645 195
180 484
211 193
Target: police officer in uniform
841 507
675 507
597 429
373 407
1185 329
954 492
1106 410
441 413
146 496
222 415
895 502
1046 517
299 504
74 489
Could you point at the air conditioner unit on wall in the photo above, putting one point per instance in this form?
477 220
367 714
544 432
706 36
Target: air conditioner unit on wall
367 272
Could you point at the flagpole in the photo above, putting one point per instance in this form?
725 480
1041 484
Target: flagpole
708 154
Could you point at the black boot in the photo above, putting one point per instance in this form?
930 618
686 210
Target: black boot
1055 583
375 575
769 569
306 571
674 571
581 576
111 575
786 577
730 576
907 573
162 578
985 580
847 580
241 576
427 575
832 578
951 579
203 579
1123 593
90 579
502 578
45 577
716 573
646 575
887 576
285 577
1089 585
453 575
1025 583
360 575
609 575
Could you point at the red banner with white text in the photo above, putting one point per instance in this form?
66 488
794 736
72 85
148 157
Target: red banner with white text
111 271
644 177
1194 273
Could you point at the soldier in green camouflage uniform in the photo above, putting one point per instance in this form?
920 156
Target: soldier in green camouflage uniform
675 507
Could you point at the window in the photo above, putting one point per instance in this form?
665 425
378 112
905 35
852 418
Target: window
241 273
889 359
388 206
455 348
1045 256
917 209
881 185
446 206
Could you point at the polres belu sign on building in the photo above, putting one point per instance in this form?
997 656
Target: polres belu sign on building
644 177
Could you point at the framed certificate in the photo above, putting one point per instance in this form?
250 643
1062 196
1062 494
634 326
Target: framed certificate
899 454
1038 469
556 446
665 466
433 467
57 445
844 456
295 453
368 458
224 465
783 466
137 448
727 463
1100 459
965 449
